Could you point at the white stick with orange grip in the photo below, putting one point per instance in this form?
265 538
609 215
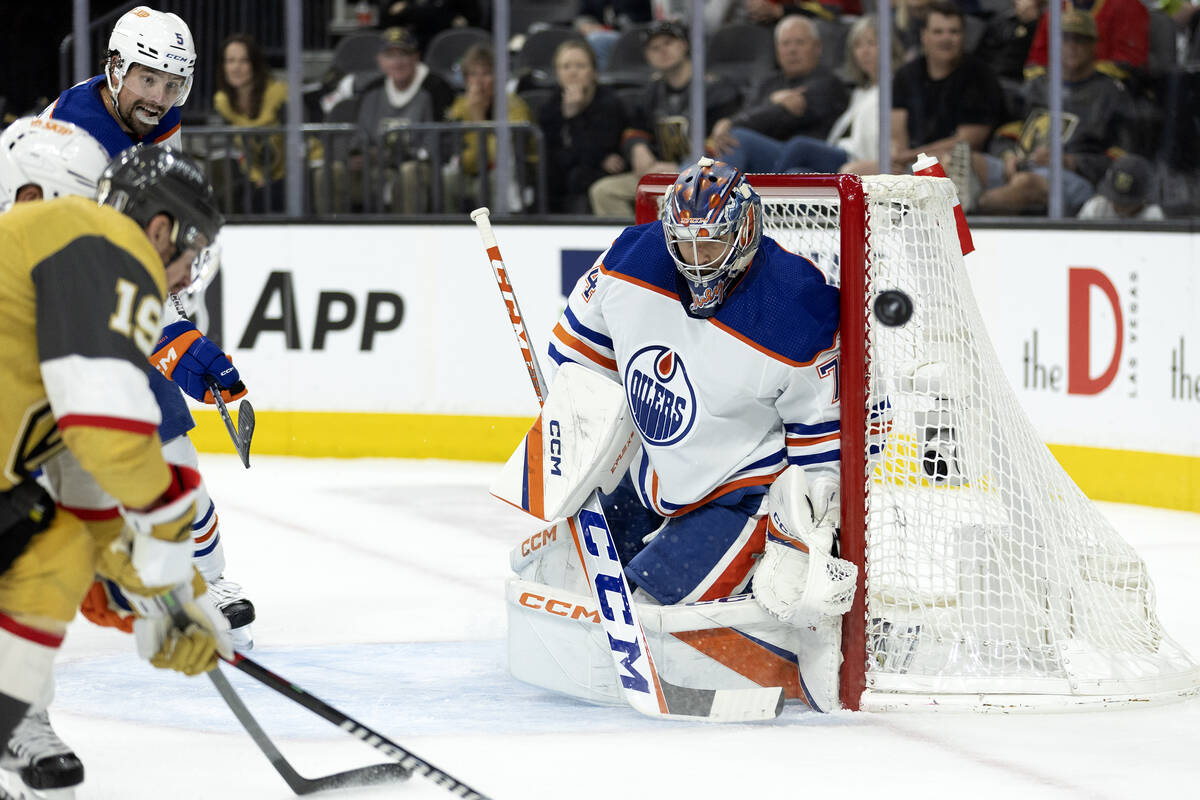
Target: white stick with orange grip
483 221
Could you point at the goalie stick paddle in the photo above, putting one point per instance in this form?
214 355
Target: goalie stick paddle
643 688
371 775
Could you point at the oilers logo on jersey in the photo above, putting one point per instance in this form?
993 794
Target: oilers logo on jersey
660 394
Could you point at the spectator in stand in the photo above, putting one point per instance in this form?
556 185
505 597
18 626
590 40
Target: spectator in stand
248 97
657 139
801 99
582 124
909 18
770 12
1123 36
426 18
1124 192
941 98
1098 125
601 23
855 134
1007 39
463 177
407 91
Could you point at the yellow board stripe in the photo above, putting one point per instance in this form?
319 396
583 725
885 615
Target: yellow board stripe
1119 476
1130 476
329 434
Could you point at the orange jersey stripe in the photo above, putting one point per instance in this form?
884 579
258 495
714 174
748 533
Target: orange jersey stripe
756 480
583 349
796 440
169 133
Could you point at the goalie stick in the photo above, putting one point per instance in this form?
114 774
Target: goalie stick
641 684
405 762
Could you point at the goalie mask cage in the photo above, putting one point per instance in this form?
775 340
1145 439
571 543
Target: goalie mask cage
987 580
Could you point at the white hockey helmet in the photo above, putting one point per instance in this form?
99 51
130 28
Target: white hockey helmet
154 39
60 157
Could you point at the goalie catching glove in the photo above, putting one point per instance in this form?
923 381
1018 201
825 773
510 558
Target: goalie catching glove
187 357
798 579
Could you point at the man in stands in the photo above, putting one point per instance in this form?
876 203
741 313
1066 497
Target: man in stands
802 99
658 139
1098 124
941 98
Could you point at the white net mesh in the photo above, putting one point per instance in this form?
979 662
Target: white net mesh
991 579
988 571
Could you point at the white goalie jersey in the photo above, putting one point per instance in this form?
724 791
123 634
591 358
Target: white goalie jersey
720 403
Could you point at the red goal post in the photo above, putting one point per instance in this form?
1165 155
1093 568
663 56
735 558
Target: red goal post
987 580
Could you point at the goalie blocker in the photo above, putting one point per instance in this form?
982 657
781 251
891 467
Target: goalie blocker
582 440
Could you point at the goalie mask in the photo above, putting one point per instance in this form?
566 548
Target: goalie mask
147 180
157 40
712 221
59 157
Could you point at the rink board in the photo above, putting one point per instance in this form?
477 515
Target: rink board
393 341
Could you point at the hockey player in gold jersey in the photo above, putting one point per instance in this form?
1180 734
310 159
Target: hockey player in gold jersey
81 293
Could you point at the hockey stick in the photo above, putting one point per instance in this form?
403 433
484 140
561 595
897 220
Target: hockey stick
363 776
406 759
643 688
482 219
406 762
244 430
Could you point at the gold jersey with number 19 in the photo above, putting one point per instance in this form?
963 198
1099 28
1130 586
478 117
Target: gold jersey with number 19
81 298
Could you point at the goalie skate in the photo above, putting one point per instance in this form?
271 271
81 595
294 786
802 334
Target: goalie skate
36 764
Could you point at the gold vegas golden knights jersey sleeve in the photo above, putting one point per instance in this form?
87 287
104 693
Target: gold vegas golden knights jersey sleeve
81 292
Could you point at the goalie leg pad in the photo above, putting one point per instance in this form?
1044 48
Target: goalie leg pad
799 581
556 641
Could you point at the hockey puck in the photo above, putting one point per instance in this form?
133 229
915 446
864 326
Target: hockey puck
893 307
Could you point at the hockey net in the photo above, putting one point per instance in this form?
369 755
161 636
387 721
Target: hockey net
987 579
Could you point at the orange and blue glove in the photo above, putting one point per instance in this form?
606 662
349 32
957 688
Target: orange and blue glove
187 357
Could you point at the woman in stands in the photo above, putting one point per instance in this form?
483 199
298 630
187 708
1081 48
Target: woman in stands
248 97
582 123
854 137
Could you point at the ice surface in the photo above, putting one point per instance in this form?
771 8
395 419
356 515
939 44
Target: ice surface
379 589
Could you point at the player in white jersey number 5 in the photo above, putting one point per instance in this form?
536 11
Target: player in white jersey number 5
726 346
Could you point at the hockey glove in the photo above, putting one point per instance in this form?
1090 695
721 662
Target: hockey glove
195 647
186 356
154 549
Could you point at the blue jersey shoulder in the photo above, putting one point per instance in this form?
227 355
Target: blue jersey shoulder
82 105
784 305
640 252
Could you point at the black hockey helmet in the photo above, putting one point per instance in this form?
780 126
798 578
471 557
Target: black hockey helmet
151 179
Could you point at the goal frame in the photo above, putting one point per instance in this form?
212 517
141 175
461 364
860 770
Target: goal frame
854 282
